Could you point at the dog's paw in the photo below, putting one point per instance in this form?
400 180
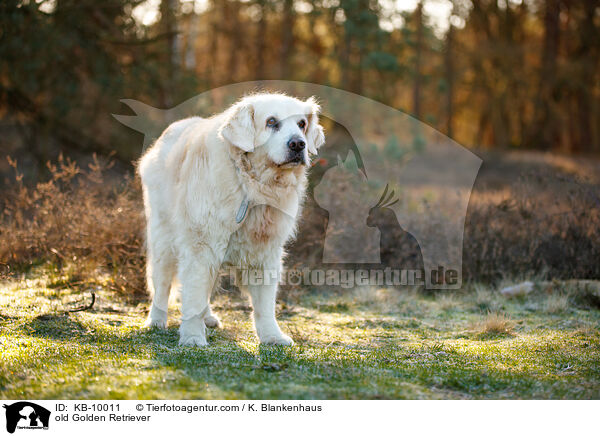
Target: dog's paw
212 321
156 318
191 341
193 332
153 322
280 339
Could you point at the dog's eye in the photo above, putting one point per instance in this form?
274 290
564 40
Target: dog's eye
272 122
302 124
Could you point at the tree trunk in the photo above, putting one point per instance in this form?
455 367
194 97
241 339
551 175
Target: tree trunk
587 57
261 35
168 10
418 52
346 48
449 66
235 39
545 132
287 39
212 64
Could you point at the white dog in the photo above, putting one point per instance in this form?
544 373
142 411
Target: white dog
226 190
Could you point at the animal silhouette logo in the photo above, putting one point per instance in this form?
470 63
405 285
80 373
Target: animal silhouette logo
341 192
388 147
397 247
26 415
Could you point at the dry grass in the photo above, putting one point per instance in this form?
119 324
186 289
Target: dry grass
495 324
543 224
79 221
91 225
486 300
556 303
447 302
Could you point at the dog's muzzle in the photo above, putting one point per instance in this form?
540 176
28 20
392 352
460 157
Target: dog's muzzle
296 146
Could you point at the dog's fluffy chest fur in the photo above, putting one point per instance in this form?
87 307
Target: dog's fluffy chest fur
275 198
267 223
266 226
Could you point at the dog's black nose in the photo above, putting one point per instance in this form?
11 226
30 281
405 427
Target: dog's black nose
296 144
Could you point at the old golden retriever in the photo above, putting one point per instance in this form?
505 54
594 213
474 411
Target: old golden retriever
226 190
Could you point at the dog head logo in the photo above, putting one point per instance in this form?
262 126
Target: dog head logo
26 415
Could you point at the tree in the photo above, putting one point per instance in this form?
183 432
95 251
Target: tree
418 55
546 124
287 39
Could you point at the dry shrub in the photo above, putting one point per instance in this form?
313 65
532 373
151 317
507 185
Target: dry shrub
584 294
544 225
80 219
93 223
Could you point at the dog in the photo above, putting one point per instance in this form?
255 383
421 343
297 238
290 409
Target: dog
226 191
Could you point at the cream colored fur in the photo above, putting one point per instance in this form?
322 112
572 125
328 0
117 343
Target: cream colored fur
194 179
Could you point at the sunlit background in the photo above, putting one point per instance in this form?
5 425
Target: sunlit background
490 74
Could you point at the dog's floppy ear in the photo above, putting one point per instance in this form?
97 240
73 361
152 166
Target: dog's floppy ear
239 127
315 135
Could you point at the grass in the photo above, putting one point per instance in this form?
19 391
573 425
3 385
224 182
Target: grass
367 344
496 325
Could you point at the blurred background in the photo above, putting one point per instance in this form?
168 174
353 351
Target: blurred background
515 81
490 74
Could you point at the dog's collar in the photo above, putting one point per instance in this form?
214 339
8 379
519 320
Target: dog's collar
240 216
243 210
252 195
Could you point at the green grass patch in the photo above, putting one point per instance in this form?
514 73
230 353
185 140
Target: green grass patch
372 344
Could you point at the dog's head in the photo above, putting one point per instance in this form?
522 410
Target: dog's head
282 128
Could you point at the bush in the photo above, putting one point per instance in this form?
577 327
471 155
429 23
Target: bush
541 228
90 224
80 219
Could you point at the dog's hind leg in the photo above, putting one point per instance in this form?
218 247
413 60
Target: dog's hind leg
210 319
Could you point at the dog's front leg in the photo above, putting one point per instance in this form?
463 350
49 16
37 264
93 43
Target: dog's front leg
197 273
263 293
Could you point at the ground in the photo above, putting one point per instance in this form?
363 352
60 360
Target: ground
364 344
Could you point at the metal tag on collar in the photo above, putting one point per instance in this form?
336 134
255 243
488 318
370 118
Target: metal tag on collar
242 211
